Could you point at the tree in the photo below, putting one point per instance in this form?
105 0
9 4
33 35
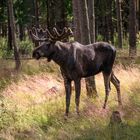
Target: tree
119 23
85 37
110 20
36 12
76 15
10 46
3 18
104 13
56 14
91 17
12 24
91 89
132 28
137 14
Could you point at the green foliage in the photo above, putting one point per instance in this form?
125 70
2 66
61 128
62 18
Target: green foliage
26 47
4 82
138 39
3 11
48 122
4 52
99 38
23 11
68 7
45 120
36 67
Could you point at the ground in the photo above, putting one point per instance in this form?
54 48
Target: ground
32 108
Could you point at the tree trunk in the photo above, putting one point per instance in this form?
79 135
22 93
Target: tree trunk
91 86
106 29
4 30
3 25
50 14
77 36
21 32
91 17
119 23
36 13
84 22
36 19
10 47
138 14
85 39
110 23
56 16
12 25
132 28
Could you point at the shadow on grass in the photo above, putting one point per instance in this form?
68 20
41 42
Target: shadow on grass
116 132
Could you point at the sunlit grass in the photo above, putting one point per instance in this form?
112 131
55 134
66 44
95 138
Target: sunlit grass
30 111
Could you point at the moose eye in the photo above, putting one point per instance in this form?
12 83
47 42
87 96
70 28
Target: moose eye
47 46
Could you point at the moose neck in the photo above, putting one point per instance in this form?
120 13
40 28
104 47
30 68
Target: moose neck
60 53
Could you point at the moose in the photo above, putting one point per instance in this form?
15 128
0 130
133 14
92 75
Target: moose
78 61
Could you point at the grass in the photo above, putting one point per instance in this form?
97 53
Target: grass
31 110
32 103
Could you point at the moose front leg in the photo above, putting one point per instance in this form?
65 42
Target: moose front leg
77 93
67 84
107 87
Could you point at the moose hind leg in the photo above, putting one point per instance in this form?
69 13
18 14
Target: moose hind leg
107 87
116 83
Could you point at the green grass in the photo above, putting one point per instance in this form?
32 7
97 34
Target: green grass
21 118
46 121
28 67
24 119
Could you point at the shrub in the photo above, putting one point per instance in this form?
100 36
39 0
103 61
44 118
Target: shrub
4 52
25 47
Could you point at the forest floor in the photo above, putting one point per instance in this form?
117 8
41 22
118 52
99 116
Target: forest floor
32 107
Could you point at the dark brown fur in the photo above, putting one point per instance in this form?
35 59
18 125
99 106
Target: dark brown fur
77 61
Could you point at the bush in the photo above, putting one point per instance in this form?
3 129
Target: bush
138 39
25 47
4 52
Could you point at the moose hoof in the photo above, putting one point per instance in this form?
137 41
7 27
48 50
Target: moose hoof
65 116
104 107
78 113
119 102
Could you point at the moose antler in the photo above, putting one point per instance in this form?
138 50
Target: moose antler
38 34
47 32
34 35
66 32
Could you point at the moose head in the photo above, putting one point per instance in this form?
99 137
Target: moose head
40 35
47 40
77 61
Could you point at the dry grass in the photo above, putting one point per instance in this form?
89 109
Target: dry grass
33 108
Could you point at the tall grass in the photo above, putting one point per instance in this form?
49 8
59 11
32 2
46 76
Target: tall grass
30 111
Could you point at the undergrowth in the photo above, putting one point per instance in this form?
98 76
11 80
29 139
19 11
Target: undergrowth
28 67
